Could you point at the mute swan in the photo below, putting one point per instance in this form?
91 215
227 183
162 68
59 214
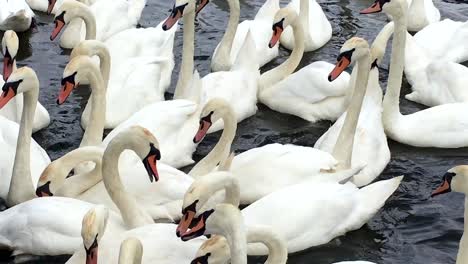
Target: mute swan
51 6
239 85
228 49
335 209
426 128
371 145
12 111
15 15
102 245
100 27
253 168
19 178
306 93
131 251
317 28
422 13
127 178
455 180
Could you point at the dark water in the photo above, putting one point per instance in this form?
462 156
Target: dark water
411 228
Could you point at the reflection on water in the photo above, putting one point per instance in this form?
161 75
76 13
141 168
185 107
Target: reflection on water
411 228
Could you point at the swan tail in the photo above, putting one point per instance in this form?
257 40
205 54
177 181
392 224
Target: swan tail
247 56
135 9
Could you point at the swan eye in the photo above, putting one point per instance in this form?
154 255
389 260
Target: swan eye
69 79
60 17
12 85
347 54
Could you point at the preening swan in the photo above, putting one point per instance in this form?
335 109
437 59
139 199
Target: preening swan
335 209
317 28
15 15
306 93
19 178
14 109
426 128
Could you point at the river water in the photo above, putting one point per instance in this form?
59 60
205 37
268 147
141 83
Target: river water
410 228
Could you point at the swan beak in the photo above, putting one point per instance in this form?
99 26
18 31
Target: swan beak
92 256
50 7
202 5
445 186
66 90
202 131
59 24
7 66
185 223
341 65
375 8
44 190
176 14
277 31
7 95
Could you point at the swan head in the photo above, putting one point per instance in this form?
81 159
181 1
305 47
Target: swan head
214 250
181 8
67 11
131 251
213 111
455 179
10 46
92 229
76 71
391 7
283 18
352 50
20 81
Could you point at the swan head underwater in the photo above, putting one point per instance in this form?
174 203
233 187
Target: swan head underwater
10 46
181 8
388 6
213 111
20 81
283 18
454 180
352 50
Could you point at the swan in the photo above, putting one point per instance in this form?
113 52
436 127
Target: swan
239 85
228 49
20 171
335 209
126 179
15 15
253 168
131 251
455 180
426 128
422 13
102 245
307 93
51 6
371 145
100 27
317 28
13 110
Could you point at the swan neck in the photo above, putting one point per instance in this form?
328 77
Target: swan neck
224 51
104 64
343 148
277 249
90 23
21 185
187 64
304 14
231 226
282 71
462 256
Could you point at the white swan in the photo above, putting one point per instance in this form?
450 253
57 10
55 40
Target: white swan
371 145
306 93
426 128
101 245
13 110
51 6
101 26
131 251
421 14
238 86
19 177
126 176
317 28
15 15
233 40
335 209
455 180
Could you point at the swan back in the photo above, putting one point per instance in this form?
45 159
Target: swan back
247 56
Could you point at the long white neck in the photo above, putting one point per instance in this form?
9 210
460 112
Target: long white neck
304 14
90 22
282 71
391 102
95 48
222 149
187 64
95 129
131 251
21 185
277 248
133 215
223 53
343 149
462 256
219 181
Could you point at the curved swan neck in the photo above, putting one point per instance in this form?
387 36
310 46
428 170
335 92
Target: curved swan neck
131 212
391 102
223 54
21 185
221 150
90 22
187 64
282 71
343 148
219 181
277 249
462 256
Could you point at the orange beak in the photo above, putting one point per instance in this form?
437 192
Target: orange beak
65 91
185 223
195 231
341 65
202 5
59 24
202 131
7 67
151 168
50 7
173 18
375 8
92 256
443 188
6 96
276 36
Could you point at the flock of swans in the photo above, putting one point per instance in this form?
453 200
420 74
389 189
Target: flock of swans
126 191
